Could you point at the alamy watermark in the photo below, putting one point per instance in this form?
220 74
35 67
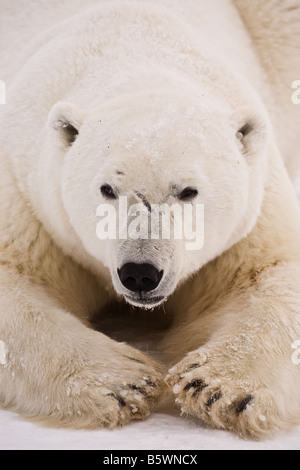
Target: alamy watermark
296 355
296 94
2 92
178 222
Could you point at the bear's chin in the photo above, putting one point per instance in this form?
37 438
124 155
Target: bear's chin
146 303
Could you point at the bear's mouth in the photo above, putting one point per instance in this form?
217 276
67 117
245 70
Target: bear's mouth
148 302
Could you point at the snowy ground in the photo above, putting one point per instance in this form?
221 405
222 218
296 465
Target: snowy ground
162 431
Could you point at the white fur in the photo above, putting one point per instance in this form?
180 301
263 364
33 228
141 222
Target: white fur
157 92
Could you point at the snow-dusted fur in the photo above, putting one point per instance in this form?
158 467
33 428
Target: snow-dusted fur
150 98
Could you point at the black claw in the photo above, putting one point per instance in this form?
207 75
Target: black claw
199 390
119 399
194 383
137 389
191 367
215 397
244 403
151 384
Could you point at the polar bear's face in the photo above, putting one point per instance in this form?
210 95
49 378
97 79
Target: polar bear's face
152 153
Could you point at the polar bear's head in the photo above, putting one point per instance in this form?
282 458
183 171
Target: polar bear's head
154 149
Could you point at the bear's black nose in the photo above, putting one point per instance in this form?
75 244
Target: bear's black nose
140 277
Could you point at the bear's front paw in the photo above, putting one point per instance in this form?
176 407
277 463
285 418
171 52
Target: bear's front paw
110 400
106 394
223 397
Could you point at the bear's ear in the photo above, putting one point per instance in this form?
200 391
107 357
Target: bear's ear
251 130
66 119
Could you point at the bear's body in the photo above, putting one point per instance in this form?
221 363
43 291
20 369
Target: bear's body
147 97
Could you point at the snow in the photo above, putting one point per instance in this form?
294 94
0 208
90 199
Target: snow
177 389
163 430
262 418
134 408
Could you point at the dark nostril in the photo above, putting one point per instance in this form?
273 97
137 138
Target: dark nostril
140 277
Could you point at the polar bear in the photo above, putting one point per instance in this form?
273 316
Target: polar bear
161 102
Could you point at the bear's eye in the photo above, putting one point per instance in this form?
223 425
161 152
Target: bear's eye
187 194
108 192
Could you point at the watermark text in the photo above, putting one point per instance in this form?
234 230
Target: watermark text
296 94
296 355
166 222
